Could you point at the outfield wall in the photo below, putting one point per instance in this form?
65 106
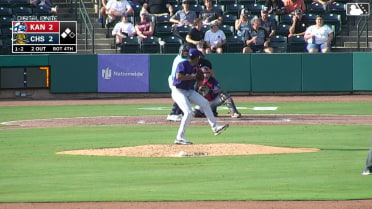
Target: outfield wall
142 73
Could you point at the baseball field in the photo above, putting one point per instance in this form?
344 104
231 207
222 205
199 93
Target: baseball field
285 152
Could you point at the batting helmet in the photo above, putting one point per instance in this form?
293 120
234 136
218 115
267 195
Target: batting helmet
184 50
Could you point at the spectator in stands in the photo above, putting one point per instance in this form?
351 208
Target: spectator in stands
103 11
292 5
299 24
157 7
318 37
144 28
117 8
257 39
195 38
184 16
210 14
324 2
45 3
242 24
123 29
214 39
275 7
269 25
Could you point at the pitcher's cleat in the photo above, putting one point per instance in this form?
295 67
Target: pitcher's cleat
217 130
182 141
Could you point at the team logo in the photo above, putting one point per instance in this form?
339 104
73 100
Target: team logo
106 73
20 27
20 38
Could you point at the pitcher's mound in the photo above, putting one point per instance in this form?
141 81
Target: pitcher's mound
196 150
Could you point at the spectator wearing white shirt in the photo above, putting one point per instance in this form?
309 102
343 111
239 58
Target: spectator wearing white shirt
117 8
215 39
123 29
318 37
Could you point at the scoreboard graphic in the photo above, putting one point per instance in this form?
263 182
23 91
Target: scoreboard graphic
44 37
357 9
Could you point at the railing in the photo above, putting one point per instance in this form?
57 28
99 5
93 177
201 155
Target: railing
82 17
361 26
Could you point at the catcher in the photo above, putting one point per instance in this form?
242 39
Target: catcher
210 88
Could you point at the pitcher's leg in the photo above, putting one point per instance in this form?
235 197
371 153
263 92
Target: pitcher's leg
183 103
198 99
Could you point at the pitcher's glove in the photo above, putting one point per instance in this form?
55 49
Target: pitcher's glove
203 90
199 76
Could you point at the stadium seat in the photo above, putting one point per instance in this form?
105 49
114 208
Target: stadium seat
279 43
163 30
310 19
234 44
22 10
6 11
316 8
6 21
286 18
183 31
130 45
206 28
226 2
17 3
227 29
40 10
338 8
283 29
172 2
273 17
296 44
162 20
197 8
246 2
150 45
176 7
229 19
136 10
233 9
333 20
6 31
255 9
5 2
171 44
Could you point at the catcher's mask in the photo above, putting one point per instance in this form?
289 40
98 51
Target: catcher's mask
205 69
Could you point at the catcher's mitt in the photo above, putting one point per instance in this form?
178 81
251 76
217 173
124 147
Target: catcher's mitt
203 90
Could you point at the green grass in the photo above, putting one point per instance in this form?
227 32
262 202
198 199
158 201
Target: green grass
31 171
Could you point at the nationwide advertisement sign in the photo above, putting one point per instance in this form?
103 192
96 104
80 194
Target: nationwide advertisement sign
123 73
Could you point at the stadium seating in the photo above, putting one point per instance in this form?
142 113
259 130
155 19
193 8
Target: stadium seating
226 2
40 10
130 45
171 44
296 44
286 18
279 43
183 31
234 44
227 29
6 11
255 9
150 45
233 9
316 8
4 2
229 19
246 2
340 9
197 8
333 20
163 30
283 29
22 10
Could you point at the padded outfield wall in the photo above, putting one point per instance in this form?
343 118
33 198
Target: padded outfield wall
142 73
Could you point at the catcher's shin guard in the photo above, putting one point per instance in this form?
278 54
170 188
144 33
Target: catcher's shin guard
231 105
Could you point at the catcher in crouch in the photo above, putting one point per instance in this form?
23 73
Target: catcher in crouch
210 88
